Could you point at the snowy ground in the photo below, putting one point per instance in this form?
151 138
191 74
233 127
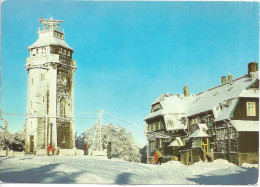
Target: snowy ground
100 170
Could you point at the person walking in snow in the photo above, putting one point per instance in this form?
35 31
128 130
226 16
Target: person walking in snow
53 150
49 149
159 154
109 150
85 148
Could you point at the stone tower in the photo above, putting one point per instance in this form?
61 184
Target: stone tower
50 96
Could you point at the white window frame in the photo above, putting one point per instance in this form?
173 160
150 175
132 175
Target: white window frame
251 110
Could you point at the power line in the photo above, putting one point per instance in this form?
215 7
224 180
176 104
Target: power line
122 120
81 117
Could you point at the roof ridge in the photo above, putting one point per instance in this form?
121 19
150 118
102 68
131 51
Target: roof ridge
246 75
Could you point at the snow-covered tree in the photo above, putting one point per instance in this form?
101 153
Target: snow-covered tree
17 141
14 141
122 143
5 136
143 152
79 141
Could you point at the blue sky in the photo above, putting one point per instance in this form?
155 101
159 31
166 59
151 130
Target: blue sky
129 53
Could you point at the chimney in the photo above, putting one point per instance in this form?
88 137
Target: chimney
186 91
223 79
252 67
230 78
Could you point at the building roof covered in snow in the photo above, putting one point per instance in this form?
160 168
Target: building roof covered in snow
201 132
221 99
49 40
169 104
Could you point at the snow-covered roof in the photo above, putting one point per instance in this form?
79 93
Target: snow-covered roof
171 104
221 100
176 143
49 40
242 125
201 132
223 112
207 100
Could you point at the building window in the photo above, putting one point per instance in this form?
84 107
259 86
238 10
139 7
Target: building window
32 81
42 98
250 109
63 107
42 77
160 143
156 107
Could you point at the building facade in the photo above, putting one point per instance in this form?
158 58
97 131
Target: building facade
50 95
222 122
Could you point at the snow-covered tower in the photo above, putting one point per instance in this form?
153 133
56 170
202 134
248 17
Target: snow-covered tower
50 103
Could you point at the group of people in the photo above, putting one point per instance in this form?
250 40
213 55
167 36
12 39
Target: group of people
158 157
50 149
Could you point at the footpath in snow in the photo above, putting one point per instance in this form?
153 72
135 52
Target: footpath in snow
100 170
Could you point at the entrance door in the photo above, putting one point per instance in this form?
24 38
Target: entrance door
31 143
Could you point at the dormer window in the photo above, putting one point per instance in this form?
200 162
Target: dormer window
156 107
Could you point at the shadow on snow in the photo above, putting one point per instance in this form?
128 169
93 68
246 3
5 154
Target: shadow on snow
124 178
249 176
42 174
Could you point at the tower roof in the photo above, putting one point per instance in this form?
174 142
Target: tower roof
48 36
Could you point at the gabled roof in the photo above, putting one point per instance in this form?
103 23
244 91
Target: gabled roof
171 104
219 95
201 132
176 143
221 99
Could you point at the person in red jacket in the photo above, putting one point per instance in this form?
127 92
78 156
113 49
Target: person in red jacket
48 149
53 150
155 158
85 148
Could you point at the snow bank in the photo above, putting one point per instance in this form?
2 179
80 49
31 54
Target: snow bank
100 170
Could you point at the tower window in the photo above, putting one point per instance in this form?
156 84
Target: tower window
42 77
31 104
42 98
32 81
63 107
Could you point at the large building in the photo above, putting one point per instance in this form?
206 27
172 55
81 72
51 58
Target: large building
222 122
50 103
